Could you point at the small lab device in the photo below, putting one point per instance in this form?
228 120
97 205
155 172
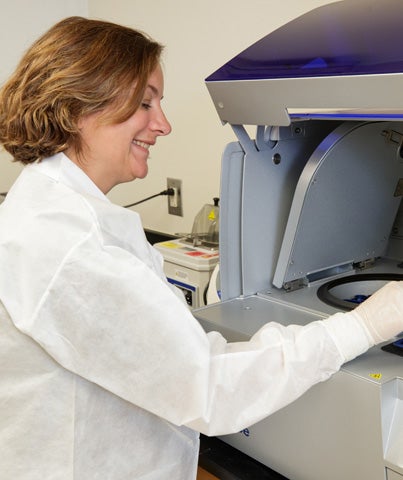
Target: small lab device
312 224
190 260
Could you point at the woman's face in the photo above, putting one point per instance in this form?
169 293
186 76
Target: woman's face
118 153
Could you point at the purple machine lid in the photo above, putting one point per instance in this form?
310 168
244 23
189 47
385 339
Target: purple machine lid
345 38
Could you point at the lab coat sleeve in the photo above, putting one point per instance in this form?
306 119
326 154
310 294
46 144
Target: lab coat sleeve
109 318
258 377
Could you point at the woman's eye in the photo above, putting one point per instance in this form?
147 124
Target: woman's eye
146 105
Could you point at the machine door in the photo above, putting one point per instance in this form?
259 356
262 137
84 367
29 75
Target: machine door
344 204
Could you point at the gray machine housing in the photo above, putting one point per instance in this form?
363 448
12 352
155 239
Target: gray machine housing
312 204
301 205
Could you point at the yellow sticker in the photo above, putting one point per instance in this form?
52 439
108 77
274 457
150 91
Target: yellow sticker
211 215
377 376
170 245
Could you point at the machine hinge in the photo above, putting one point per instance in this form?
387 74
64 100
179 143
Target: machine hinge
363 264
393 137
293 285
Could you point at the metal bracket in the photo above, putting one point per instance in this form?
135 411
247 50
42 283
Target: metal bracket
364 264
293 285
392 136
247 144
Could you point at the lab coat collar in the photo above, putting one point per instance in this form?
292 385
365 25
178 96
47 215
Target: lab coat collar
119 226
63 170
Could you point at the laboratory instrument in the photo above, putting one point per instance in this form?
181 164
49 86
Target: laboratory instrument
190 260
311 224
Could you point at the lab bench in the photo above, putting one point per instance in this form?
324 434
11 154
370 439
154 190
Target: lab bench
153 236
228 463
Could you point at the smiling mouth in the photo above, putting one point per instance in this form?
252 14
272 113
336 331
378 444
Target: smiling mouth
141 144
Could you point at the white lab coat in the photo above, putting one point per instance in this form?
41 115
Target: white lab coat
104 372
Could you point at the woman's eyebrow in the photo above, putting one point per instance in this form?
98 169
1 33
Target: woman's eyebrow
154 90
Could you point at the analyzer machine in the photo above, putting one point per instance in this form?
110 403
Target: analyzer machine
311 223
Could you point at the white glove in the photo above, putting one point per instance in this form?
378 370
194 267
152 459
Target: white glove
382 313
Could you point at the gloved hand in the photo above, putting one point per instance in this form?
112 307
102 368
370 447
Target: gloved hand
382 313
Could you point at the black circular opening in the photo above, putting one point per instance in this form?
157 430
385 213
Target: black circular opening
349 302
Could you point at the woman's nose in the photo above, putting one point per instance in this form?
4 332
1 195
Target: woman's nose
162 125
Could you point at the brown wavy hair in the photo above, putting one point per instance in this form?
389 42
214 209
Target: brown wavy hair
76 68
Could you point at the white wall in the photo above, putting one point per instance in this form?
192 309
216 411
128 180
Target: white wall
21 22
200 36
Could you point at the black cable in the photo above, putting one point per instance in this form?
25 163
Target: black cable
168 191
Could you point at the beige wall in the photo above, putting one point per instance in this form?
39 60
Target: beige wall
199 36
21 22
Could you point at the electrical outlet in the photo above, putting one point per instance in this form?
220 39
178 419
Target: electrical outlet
175 200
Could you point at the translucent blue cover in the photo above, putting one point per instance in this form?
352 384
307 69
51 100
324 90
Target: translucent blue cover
349 37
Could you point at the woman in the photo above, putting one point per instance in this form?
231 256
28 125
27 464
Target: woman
104 372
